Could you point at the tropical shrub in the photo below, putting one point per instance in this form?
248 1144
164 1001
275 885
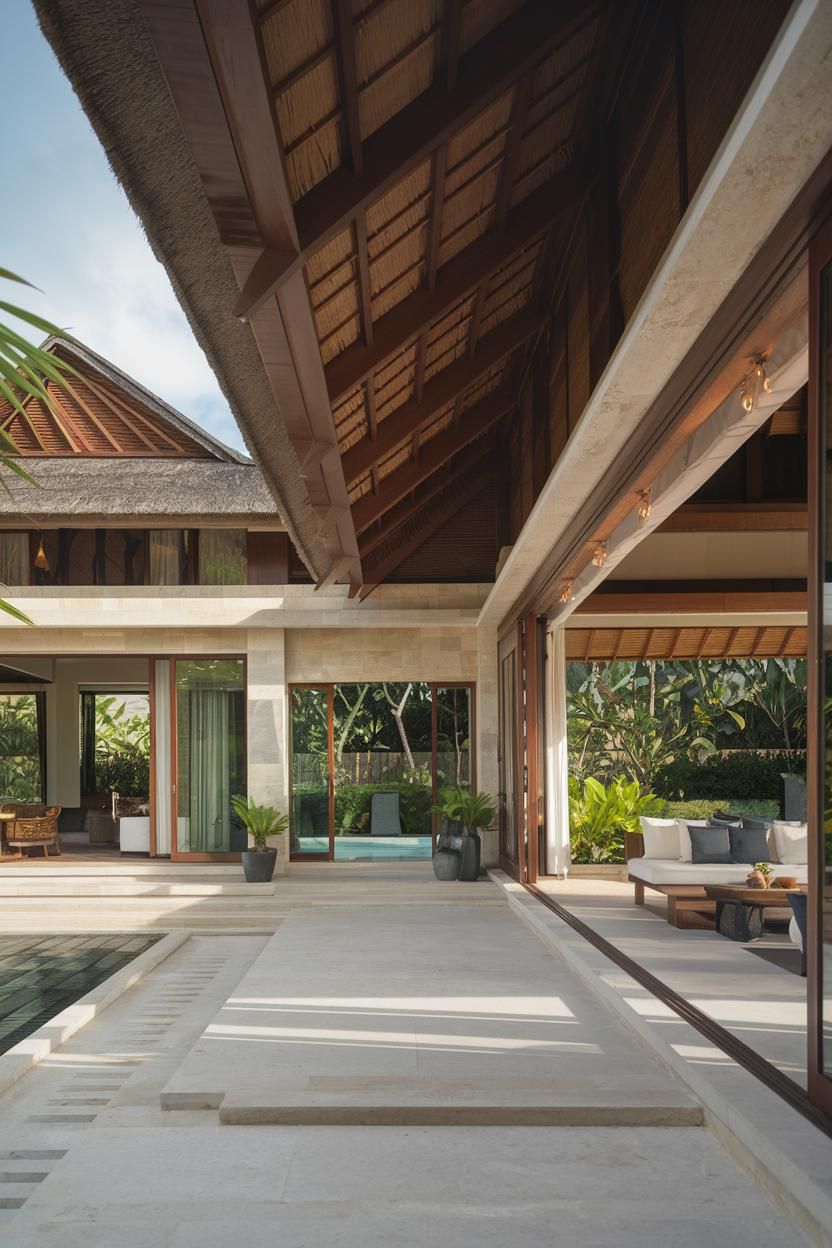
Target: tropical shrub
353 805
122 748
259 821
474 810
599 816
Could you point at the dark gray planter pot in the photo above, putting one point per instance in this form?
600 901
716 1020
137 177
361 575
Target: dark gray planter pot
446 864
458 852
259 865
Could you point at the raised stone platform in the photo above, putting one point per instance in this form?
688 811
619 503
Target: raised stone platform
441 1015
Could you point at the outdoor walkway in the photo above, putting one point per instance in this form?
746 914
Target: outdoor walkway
750 994
404 984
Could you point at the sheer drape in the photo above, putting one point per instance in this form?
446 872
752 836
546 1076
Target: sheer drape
14 558
210 813
222 556
165 556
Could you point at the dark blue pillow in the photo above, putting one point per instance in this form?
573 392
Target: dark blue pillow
748 844
710 845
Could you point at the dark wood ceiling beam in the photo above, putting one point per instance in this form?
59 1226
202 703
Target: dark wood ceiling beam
434 521
445 477
474 422
398 428
455 280
511 149
484 74
450 38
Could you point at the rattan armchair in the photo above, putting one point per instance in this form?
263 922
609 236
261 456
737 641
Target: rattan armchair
33 825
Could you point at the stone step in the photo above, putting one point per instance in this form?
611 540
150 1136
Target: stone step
97 886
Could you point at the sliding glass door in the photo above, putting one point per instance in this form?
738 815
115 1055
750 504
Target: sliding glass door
369 759
209 729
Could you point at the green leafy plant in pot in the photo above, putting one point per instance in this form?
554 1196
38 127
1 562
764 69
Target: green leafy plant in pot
260 822
458 849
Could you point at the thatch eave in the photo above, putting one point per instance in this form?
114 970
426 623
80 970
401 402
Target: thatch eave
106 52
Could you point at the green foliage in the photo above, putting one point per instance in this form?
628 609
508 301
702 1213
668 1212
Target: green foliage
474 810
353 805
19 748
259 821
599 816
736 775
122 748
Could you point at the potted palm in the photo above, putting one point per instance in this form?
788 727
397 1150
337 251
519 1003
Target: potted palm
260 822
458 849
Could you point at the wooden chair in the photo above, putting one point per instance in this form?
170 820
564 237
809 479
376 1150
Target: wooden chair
33 825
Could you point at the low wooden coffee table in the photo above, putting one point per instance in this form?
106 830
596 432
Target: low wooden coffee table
745 901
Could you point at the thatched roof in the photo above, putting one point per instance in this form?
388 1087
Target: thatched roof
162 491
106 52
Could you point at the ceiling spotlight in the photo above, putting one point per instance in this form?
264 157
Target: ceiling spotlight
566 592
747 399
645 505
599 555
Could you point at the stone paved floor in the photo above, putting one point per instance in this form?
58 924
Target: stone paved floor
88 1158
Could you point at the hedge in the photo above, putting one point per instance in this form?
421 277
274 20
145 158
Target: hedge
735 775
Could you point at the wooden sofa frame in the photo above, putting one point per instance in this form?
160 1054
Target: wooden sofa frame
687 905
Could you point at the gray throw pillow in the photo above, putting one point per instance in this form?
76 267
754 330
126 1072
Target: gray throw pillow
748 844
710 845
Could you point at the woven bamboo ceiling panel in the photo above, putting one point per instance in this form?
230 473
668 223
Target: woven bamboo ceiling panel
425 299
604 645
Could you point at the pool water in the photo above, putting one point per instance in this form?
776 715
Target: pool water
371 848
42 975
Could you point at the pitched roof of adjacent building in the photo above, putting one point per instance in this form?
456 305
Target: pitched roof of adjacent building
106 449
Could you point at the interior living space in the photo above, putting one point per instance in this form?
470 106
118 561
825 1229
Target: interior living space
446 777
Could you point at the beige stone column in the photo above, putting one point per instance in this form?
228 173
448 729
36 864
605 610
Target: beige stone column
487 721
268 727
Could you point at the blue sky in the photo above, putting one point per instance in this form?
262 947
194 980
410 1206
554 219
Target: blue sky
68 228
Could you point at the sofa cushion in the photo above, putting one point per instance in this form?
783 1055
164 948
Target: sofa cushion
655 871
748 844
710 845
685 848
661 837
792 841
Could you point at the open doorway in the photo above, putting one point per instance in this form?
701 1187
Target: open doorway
114 770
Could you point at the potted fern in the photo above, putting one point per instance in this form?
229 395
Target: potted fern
458 848
260 822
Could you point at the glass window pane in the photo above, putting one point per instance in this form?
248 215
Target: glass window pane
453 736
383 783
210 754
125 555
167 557
310 772
14 558
222 556
20 748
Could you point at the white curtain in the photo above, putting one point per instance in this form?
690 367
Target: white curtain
558 859
165 556
222 556
14 558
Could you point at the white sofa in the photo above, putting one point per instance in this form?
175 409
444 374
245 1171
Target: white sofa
657 858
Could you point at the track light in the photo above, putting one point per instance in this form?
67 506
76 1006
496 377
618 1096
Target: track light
645 505
599 555
566 592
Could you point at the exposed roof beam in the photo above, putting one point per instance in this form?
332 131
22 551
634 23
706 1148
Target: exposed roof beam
345 56
269 271
484 74
443 478
434 520
511 150
456 279
399 427
398 484
340 568
283 328
449 43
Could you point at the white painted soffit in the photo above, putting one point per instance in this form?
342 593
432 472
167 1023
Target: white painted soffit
715 441
778 138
